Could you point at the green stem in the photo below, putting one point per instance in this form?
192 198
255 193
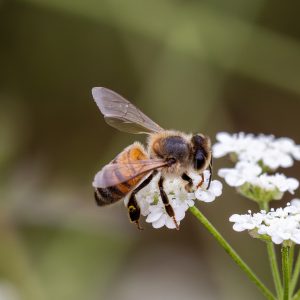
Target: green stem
291 265
274 269
296 275
292 254
223 243
273 259
286 272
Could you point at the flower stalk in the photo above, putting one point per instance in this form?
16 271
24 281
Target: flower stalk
286 272
232 253
274 269
273 259
292 254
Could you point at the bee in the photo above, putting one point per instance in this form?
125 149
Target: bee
168 152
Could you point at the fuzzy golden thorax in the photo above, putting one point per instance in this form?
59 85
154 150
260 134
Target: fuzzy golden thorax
172 145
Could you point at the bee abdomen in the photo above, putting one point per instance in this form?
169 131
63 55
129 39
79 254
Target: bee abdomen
112 194
109 195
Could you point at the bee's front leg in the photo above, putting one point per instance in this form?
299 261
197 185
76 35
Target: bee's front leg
189 186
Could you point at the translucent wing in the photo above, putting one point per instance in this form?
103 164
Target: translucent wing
121 114
115 173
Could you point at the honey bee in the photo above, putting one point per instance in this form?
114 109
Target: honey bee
169 153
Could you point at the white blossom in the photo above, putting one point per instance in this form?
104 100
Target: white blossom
296 203
276 181
280 225
242 172
254 184
266 149
153 208
246 222
236 143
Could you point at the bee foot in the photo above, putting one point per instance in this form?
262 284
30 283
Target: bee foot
139 227
175 222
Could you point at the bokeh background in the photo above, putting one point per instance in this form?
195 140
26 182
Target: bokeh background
198 66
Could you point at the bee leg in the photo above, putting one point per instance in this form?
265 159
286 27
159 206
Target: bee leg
189 185
210 176
201 181
165 200
134 210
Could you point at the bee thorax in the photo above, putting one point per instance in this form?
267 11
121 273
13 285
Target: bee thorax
170 147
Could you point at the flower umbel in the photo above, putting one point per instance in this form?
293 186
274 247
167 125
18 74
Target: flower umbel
253 184
153 208
254 157
281 225
265 150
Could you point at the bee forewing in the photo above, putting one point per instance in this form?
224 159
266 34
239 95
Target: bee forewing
115 173
121 114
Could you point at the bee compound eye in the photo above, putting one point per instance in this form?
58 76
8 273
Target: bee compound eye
199 160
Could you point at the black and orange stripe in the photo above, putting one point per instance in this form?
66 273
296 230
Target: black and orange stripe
108 195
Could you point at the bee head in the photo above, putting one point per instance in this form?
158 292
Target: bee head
201 151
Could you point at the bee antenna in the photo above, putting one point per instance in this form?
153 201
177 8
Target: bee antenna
210 171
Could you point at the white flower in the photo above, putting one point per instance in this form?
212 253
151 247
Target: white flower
282 224
159 218
273 182
235 143
296 203
272 153
246 222
243 172
153 208
247 177
209 195
282 229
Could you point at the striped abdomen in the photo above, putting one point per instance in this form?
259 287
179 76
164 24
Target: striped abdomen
116 192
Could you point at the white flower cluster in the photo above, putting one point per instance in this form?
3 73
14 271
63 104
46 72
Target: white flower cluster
265 149
254 155
280 225
245 172
153 208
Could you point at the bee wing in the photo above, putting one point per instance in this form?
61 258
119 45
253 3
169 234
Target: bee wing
121 114
115 173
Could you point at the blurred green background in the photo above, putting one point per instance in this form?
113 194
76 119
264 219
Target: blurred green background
198 66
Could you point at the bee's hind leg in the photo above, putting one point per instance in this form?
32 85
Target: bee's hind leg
165 200
134 210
